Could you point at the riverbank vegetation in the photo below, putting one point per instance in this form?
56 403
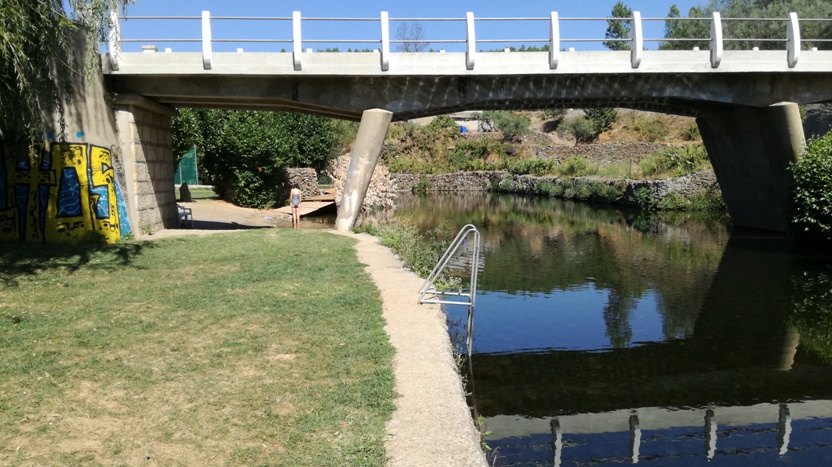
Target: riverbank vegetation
194 350
812 191
440 147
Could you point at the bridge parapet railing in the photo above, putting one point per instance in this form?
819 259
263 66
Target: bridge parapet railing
289 34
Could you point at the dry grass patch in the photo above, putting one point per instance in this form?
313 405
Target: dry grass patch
274 353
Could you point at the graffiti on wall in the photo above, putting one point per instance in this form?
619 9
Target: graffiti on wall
63 194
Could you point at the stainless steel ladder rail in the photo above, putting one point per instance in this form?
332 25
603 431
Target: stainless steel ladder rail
428 292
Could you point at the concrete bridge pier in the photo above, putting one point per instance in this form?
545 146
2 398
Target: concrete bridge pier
367 148
750 149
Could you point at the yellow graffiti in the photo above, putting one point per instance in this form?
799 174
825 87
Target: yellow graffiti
60 227
103 177
63 195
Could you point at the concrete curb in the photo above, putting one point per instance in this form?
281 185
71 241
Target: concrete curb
432 424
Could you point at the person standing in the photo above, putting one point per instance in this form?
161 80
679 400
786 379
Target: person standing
295 197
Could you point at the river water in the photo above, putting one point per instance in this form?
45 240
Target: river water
604 337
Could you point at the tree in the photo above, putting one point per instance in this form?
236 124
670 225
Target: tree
811 198
244 153
37 60
676 29
413 35
618 31
810 31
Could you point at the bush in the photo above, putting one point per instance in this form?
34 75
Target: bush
512 126
579 128
680 161
811 193
651 129
691 133
442 122
601 118
576 167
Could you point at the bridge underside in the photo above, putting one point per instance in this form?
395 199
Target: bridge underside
750 139
409 97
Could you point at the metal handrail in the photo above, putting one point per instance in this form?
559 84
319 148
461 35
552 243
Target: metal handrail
716 38
428 288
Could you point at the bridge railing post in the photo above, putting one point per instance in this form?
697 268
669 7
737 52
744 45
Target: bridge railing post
207 52
554 40
115 40
716 40
637 44
793 40
470 41
385 41
297 44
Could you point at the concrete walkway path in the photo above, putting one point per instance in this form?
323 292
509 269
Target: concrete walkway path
432 425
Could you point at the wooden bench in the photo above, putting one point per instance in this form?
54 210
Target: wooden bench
186 217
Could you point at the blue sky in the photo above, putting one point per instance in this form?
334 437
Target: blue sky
190 29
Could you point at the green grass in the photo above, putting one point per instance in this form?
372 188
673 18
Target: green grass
255 348
200 193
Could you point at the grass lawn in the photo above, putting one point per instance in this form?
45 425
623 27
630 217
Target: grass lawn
199 193
251 348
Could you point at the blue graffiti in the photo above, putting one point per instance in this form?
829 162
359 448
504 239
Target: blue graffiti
101 198
69 194
124 222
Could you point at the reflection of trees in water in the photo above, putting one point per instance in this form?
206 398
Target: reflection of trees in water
539 245
617 318
812 312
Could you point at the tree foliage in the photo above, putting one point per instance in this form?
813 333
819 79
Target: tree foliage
244 153
780 9
588 128
811 197
618 31
37 63
513 126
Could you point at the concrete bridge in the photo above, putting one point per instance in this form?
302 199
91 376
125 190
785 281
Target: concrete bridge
744 100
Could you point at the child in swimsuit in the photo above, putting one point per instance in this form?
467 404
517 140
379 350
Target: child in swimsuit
295 198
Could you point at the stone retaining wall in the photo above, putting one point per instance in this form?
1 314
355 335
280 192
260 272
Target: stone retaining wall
631 192
305 178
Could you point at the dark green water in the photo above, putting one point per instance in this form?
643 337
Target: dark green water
604 337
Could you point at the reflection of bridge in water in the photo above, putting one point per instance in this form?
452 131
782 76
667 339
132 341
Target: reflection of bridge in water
701 432
740 371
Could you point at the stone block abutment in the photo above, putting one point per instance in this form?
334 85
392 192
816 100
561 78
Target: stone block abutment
145 140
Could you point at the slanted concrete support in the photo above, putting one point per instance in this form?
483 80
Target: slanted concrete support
750 149
371 132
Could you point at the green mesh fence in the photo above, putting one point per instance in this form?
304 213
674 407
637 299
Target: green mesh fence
186 172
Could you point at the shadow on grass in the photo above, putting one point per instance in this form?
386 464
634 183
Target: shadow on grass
18 260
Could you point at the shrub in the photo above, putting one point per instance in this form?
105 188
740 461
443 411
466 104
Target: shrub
532 166
601 118
811 191
691 133
680 161
576 167
442 122
651 129
512 126
579 128
643 198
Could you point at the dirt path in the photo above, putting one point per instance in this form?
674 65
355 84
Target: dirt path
432 424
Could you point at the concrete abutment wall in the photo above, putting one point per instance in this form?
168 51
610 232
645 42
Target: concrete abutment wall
145 138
